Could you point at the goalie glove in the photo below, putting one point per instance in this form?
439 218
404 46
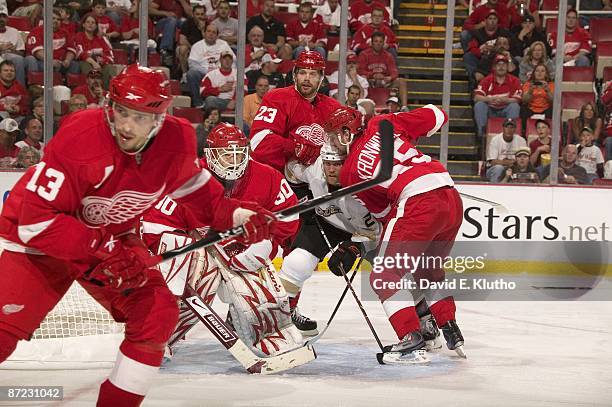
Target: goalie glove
242 258
258 223
344 256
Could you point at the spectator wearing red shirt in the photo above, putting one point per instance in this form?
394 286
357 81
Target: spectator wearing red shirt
67 24
482 44
362 38
305 32
14 98
130 33
254 7
166 14
93 51
577 42
498 95
63 49
106 26
92 90
378 66
361 13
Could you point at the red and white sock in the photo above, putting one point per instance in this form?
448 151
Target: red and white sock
134 371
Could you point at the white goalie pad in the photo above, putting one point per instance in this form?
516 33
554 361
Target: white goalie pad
259 307
176 270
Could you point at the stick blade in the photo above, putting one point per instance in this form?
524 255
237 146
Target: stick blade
386 149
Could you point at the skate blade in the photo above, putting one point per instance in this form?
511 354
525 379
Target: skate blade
460 351
312 332
417 357
434 344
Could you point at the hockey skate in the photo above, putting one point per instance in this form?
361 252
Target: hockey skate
306 326
454 338
430 332
410 350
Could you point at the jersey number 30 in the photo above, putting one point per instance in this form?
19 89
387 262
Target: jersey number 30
49 192
284 193
267 114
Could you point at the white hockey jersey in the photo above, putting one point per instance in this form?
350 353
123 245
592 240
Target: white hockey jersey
345 213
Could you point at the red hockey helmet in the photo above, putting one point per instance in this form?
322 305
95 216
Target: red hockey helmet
227 151
344 117
141 88
309 60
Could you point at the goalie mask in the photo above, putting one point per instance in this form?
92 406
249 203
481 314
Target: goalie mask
342 126
227 151
136 106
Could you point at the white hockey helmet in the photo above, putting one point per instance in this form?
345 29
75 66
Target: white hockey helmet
331 153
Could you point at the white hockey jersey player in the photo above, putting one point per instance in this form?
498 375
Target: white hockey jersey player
341 220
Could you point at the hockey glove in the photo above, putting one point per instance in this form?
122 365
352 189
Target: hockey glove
258 223
306 153
122 264
344 256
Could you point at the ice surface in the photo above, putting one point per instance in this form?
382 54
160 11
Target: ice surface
536 353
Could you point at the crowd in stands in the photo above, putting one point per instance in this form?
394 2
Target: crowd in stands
195 44
509 57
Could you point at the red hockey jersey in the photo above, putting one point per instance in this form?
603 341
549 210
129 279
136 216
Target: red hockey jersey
314 31
284 113
62 43
17 95
361 13
97 48
85 181
413 172
363 37
576 41
260 183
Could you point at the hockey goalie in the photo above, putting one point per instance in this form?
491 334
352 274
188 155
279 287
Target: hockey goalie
243 276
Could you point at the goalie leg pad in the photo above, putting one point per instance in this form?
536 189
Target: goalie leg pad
259 307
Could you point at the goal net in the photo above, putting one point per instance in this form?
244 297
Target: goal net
78 334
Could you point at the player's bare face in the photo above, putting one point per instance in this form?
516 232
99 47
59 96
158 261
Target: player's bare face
307 82
332 171
132 128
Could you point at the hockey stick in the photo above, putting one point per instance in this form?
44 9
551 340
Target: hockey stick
500 208
384 174
252 363
333 314
349 285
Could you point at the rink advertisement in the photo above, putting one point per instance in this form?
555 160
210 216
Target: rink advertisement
7 180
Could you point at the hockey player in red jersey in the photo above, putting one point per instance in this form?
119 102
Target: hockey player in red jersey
288 123
420 210
72 217
227 157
